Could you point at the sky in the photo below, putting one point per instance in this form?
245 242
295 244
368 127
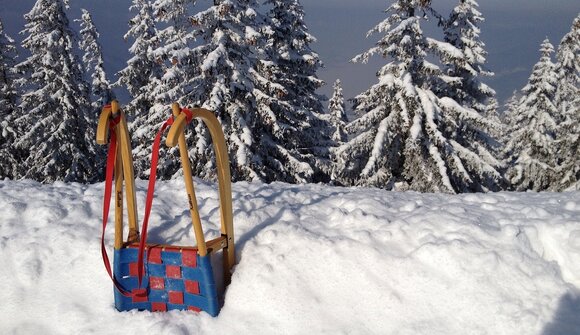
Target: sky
512 32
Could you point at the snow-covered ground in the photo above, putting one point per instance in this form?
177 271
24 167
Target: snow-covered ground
311 260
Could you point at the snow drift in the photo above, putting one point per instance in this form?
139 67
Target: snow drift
311 259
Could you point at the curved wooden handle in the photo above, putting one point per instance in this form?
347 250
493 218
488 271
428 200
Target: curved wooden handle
123 171
103 126
188 178
178 127
224 176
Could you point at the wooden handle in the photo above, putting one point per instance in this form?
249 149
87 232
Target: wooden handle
176 129
224 177
123 171
128 173
103 126
188 178
118 200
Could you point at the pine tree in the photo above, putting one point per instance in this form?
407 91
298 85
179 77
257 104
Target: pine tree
337 111
508 117
93 60
175 50
284 77
407 134
100 87
142 73
567 100
338 120
225 85
531 151
232 84
462 31
175 69
288 42
58 132
9 157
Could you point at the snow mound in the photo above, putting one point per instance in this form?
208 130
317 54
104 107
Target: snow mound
311 259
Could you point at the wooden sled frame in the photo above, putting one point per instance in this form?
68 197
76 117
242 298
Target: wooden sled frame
113 119
123 170
176 136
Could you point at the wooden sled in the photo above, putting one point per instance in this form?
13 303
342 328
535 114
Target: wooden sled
159 277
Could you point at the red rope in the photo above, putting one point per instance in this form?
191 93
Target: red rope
149 199
111 158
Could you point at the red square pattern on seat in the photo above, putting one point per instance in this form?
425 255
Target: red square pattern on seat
157 283
176 297
192 287
189 258
154 255
173 271
133 269
158 307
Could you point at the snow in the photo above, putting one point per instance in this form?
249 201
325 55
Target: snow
382 133
324 259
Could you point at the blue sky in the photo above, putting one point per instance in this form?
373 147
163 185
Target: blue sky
512 32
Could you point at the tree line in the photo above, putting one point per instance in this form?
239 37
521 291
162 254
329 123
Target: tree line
429 124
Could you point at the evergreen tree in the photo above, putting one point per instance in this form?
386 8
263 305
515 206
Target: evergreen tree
93 60
338 120
267 138
288 44
9 157
175 50
225 85
567 100
100 87
284 77
531 151
142 73
58 132
337 111
175 69
508 116
407 135
462 31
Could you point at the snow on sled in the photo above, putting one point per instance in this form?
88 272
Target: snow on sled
160 277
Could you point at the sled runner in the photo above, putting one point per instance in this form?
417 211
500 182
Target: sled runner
159 277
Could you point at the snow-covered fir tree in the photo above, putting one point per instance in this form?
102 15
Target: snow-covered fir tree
10 158
285 80
464 83
57 130
338 120
93 60
288 42
407 134
263 124
100 87
337 111
567 100
175 50
142 73
532 148
462 31
506 118
225 85
176 69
